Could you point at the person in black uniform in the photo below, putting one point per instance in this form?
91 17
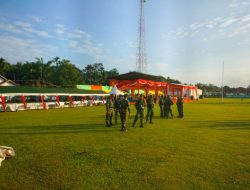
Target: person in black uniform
139 105
124 110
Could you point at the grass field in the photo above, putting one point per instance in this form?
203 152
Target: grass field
72 149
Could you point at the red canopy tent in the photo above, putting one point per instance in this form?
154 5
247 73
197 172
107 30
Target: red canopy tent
136 81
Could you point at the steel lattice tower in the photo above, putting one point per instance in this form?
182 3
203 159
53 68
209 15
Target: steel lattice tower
141 58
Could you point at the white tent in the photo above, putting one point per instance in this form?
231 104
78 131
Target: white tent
115 91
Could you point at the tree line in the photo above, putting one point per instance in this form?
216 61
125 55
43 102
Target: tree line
210 88
63 73
55 72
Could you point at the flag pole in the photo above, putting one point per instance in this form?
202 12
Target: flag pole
222 83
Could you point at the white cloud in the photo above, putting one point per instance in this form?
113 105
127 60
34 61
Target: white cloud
79 41
22 24
228 22
220 27
37 19
59 29
9 28
238 3
233 5
80 35
245 18
245 3
27 27
17 49
196 26
80 47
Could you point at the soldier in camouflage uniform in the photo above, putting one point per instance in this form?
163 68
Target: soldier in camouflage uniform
139 105
109 110
117 106
124 110
161 105
179 104
167 107
150 108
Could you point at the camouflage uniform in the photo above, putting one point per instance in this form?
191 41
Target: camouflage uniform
109 111
124 107
139 105
167 107
150 108
179 104
161 102
117 107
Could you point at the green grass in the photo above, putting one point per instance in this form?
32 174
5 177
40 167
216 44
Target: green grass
72 149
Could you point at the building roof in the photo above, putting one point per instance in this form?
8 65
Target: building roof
36 90
4 80
137 75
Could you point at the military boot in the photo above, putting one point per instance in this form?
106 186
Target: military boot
133 124
110 121
141 123
107 123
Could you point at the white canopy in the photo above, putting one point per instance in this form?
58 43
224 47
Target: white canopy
115 91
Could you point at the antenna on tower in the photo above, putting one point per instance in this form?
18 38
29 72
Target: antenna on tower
141 58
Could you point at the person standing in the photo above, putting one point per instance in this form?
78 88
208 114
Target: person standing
161 102
109 110
165 109
117 106
124 110
150 108
139 105
169 103
179 104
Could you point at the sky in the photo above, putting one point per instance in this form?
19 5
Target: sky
185 40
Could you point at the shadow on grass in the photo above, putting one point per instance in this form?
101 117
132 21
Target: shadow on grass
223 125
57 129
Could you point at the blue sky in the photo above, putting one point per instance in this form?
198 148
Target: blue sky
186 40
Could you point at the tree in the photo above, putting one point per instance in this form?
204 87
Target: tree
89 72
5 67
169 80
112 73
68 75
94 74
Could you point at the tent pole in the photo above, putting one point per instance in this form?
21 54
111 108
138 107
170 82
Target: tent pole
43 103
58 101
3 103
71 101
24 102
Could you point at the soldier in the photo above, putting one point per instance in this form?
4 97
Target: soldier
109 110
124 107
150 108
161 105
139 105
179 104
167 104
117 106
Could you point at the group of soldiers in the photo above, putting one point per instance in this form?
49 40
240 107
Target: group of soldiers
119 105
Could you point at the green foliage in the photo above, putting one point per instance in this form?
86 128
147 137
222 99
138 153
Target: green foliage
4 66
55 72
72 149
169 80
96 74
67 74
208 87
